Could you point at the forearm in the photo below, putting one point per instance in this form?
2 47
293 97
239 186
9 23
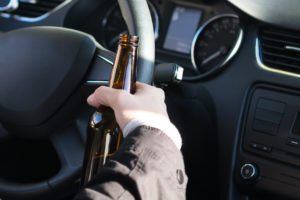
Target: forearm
148 165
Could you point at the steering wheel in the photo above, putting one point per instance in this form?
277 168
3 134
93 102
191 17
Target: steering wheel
43 71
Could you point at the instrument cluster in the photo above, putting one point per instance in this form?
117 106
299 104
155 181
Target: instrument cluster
201 37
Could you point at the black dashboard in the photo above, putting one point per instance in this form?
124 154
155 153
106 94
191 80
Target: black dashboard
177 26
241 62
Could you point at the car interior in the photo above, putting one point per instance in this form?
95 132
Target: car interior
230 70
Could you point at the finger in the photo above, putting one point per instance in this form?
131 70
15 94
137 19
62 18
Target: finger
160 92
140 83
141 87
104 96
92 99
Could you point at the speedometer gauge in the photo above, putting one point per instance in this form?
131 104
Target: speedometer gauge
215 43
114 25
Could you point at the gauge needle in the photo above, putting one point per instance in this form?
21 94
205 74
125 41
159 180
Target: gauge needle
211 57
221 51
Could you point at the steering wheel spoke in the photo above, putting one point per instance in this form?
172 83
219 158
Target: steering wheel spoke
101 67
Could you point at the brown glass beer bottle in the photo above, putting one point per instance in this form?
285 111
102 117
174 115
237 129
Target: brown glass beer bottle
104 135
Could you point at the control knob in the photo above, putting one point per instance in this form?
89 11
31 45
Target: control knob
249 172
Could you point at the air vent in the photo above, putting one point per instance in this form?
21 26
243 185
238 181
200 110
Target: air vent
280 49
35 10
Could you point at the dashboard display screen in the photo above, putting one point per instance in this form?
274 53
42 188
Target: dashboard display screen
182 29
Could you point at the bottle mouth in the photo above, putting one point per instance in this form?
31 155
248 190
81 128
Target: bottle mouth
132 39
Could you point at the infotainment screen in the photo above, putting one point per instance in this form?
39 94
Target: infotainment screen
182 29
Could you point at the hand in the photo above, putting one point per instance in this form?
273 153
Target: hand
146 104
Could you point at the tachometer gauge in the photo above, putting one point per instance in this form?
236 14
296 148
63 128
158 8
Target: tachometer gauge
215 43
114 25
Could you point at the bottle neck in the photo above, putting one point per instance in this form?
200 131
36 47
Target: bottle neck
123 74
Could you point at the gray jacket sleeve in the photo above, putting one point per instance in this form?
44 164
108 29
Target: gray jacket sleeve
147 166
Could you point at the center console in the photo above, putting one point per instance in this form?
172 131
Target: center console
268 155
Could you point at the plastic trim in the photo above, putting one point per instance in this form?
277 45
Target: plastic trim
106 60
12 5
99 82
35 19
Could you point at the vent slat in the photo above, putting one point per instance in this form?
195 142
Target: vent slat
280 51
38 9
281 56
282 64
28 13
284 42
42 9
274 49
280 48
281 34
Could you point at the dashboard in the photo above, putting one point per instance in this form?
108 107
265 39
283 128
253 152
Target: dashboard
181 29
238 104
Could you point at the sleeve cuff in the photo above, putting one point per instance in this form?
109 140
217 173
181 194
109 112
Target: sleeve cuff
163 124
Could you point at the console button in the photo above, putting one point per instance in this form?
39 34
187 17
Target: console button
269 116
254 145
296 126
266 149
271 105
261 147
265 127
293 142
